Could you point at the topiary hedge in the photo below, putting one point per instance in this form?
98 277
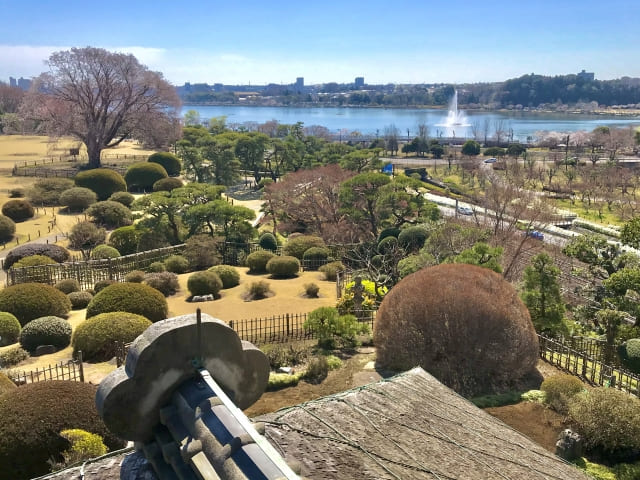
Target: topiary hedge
142 175
169 162
315 257
47 191
68 285
33 261
268 241
125 198
109 214
129 297
125 239
18 210
96 336
629 353
165 282
137 276
33 300
7 228
48 330
9 329
55 252
204 283
102 284
32 417
331 270
176 264
167 184
387 245
6 384
412 238
202 252
104 251
228 275
559 390
78 199
79 300
283 267
257 261
103 181
296 247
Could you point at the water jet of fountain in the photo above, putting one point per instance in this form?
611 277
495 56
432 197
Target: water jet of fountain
455 117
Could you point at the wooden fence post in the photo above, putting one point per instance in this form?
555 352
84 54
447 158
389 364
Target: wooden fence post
80 365
287 317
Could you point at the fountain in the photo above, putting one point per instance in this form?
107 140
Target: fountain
455 118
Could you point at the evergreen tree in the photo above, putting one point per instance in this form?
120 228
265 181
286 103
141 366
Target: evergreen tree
541 294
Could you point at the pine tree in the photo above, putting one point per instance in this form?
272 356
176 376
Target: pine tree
541 294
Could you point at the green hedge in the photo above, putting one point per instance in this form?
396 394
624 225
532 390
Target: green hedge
268 241
296 246
129 297
257 261
79 300
33 261
102 252
55 252
48 330
18 210
629 353
78 199
103 181
283 267
68 285
167 184
9 329
28 301
7 228
204 283
169 162
142 175
229 276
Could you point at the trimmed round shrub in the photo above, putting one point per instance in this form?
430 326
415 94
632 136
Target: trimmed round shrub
96 336
109 214
472 332
137 276
157 267
412 238
6 384
103 181
389 232
125 198
125 239
387 245
257 261
9 329
68 285
55 252
176 264
228 275
50 407
494 152
142 175
629 353
18 210
49 330
79 300
7 228
102 284
296 247
33 261
168 161
204 283
16 192
104 251
129 297
47 191
283 267
13 356
202 252
33 300
78 199
559 390
331 270
167 184
268 241
314 257
165 282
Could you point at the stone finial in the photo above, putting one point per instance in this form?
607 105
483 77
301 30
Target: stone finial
163 357
569 445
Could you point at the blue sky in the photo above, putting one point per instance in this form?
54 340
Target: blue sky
398 41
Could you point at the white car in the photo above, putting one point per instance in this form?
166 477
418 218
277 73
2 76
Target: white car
491 160
465 211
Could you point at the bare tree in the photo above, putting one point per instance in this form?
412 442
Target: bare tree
391 138
101 98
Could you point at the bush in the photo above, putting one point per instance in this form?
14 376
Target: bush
317 369
156 267
559 390
473 333
137 276
96 336
7 228
84 446
102 252
103 181
201 251
33 261
412 239
78 199
315 257
311 290
283 267
50 407
296 247
257 261
48 330
388 232
281 355
9 329
387 245
13 356
6 384
125 198
125 239
268 241
33 300
18 210
278 381
109 214
607 419
331 270
228 275
55 252
102 284
331 327
46 192
79 300
176 264
165 282
85 236
167 184
629 353
68 285
494 152
129 297
204 283
168 161
258 290
16 192
142 175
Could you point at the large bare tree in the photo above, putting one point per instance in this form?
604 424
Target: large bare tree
101 98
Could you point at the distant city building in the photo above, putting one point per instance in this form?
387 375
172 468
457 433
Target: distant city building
588 76
12 82
300 82
359 83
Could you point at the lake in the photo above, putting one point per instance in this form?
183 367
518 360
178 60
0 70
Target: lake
373 121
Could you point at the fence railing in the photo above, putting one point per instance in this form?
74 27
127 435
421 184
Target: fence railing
71 370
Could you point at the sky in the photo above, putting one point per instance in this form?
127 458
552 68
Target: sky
259 42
